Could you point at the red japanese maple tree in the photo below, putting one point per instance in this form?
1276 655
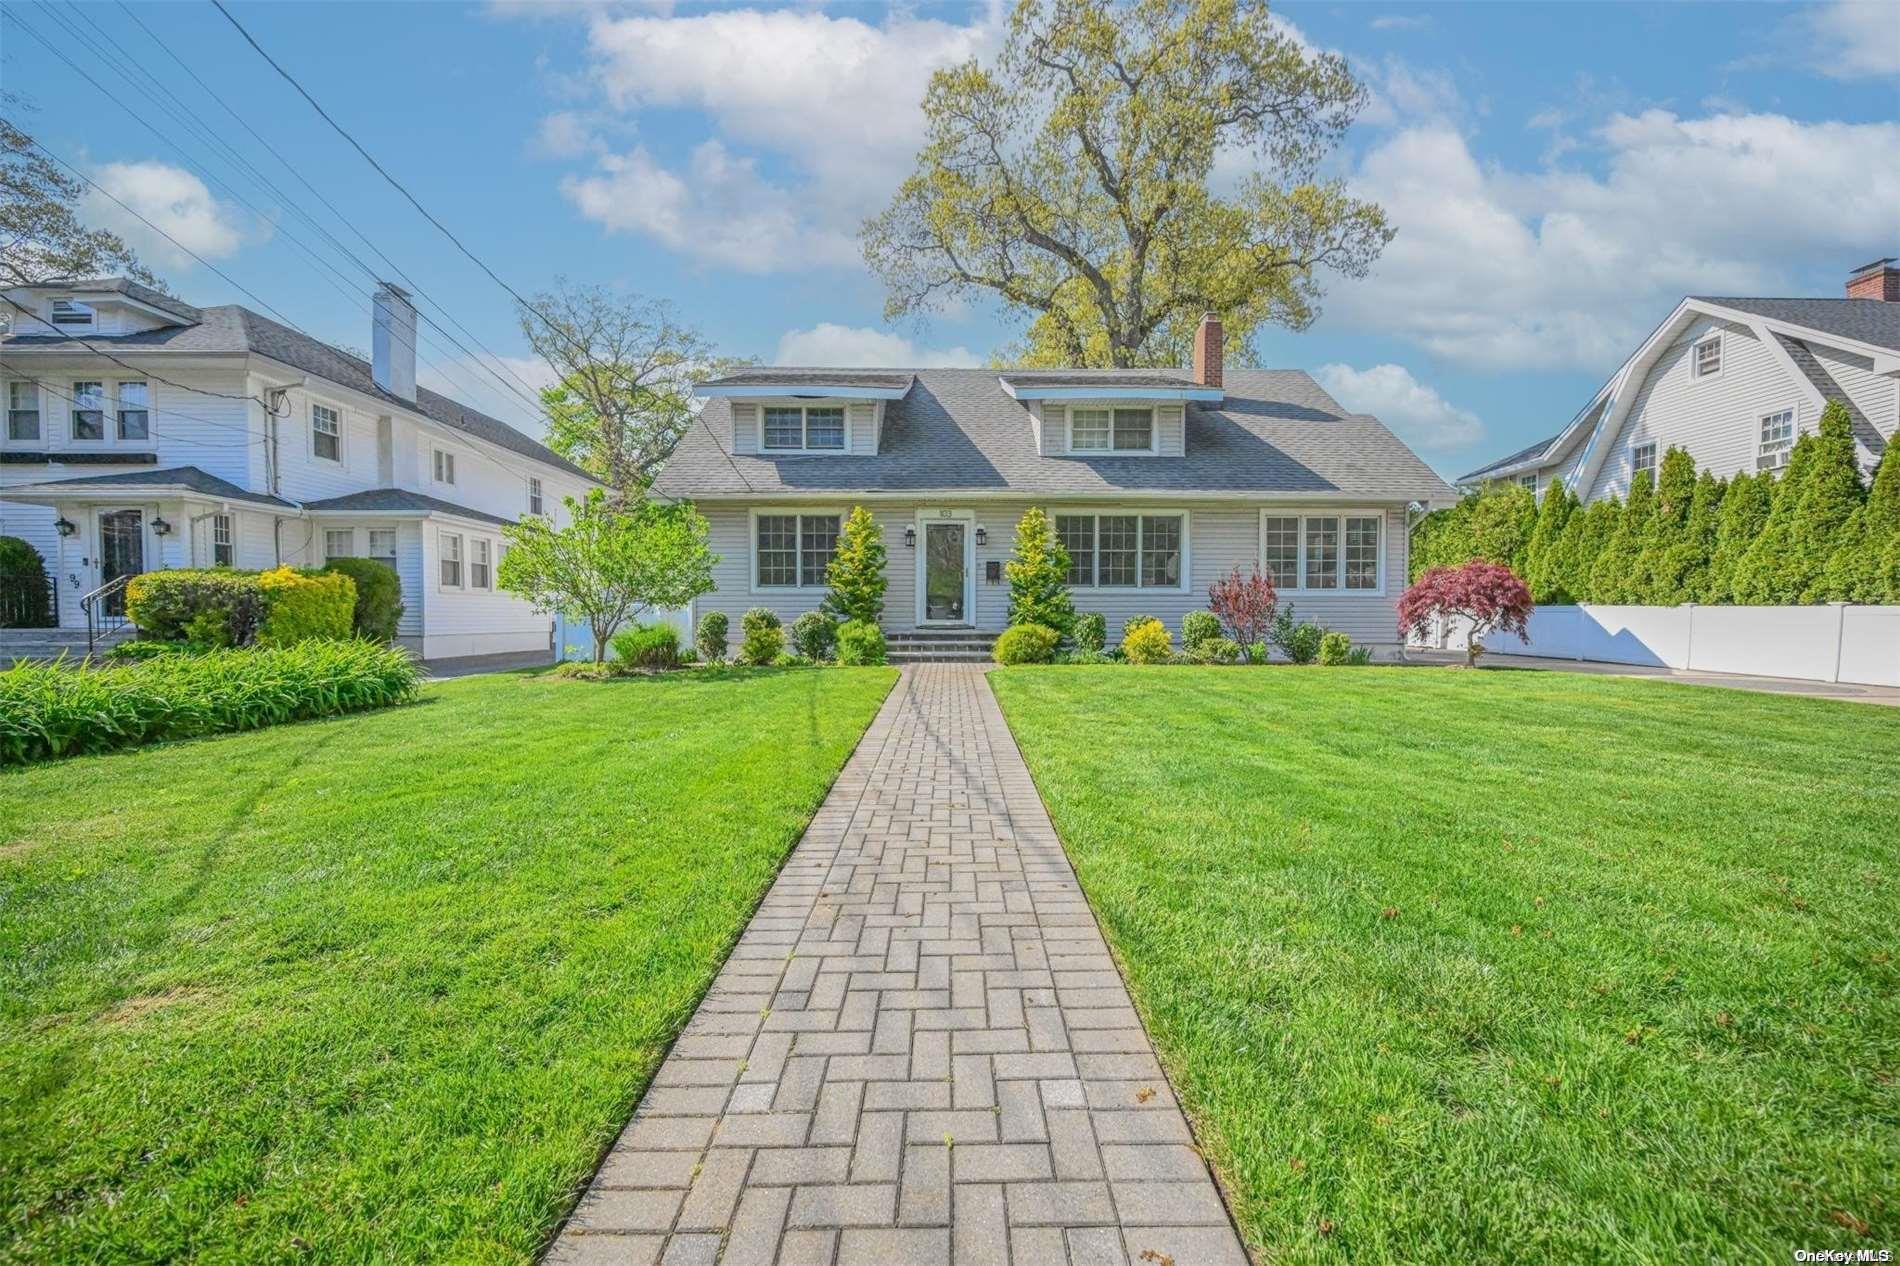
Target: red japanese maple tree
1489 595
1244 605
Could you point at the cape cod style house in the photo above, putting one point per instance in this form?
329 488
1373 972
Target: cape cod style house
1733 381
142 432
1158 481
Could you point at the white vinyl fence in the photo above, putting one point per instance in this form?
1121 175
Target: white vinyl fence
1822 643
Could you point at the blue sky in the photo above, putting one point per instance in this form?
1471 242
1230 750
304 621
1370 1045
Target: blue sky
1559 174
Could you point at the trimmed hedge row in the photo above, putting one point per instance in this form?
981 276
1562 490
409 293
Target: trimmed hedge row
217 606
50 710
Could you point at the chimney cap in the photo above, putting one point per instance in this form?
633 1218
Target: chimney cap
1884 264
393 288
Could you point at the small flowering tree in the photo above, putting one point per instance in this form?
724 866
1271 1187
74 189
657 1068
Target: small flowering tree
1244 605
1489 595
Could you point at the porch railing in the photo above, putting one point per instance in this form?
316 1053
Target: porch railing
105 611
29 604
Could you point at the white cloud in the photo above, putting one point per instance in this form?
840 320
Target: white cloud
565 134
1568 268
718 209
1855 39
832 102
1401 22
1414 411
174 201
842 346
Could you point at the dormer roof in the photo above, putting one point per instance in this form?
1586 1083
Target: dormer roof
94 289
835 384
1105 384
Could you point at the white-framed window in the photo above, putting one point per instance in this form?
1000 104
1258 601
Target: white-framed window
450 562
88 412
1777 440
23 411
1124 549
382 546
444 466
135 411
339 542
793 549
1116 429
1706 357
1642 458
1528 481
70 314
481 571
222 553
1306 552
326 433
535 501
793 428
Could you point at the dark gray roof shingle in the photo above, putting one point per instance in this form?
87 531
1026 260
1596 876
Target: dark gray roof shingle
230 329
398 501
164 477
958 432
1830 388
1866 320
1521 455
890 380
127 287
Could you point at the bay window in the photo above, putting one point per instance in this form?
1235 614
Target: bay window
793 551
1305 553
1123 551
796 428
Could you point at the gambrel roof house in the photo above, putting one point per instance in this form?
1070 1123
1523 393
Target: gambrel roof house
145 432
1733 381
1159 482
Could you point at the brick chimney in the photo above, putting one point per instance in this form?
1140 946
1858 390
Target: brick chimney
1878 280
1208 351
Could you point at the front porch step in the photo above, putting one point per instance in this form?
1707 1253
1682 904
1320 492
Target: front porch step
939 657
42 644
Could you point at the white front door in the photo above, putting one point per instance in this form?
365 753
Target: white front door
946 567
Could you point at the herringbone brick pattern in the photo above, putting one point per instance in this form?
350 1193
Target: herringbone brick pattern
920 1051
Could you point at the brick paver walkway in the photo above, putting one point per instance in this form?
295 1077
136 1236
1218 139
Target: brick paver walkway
919 1052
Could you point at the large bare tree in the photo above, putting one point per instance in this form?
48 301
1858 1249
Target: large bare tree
1073 178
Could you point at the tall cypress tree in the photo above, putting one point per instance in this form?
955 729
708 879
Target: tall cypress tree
1859 570
1502 519
1613 576
1596 523
1745 510
1543 567
1832 494
1683 570
1758 576
1668 523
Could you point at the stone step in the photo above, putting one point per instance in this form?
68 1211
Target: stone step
941 657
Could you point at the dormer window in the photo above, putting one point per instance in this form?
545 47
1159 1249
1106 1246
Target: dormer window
1708 356
798 428
70 314
1111 430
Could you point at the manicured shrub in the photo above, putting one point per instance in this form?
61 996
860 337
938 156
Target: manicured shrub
300 606
1038 574
1216 650
47 711
648 646
208 631
1489 596
1134 622
1091 632
860 644
762 637
712 636
23 599
1147 643
1243 605
1296 639
814 634
1198 627
856 575
1026 644
1257 652
161 603
378 597
1334 649
788 659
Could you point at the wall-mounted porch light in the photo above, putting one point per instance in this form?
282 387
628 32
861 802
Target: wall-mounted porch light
982 535
161 528
910 538
64 526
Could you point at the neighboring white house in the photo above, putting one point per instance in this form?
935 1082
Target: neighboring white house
1159 482
1734 381
142 432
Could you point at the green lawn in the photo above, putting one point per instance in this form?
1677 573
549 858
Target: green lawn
379 988
1501 965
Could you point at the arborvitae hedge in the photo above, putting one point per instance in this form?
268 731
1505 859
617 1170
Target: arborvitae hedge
1816 534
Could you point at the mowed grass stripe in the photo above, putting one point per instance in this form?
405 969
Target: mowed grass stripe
1477 966
379 988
